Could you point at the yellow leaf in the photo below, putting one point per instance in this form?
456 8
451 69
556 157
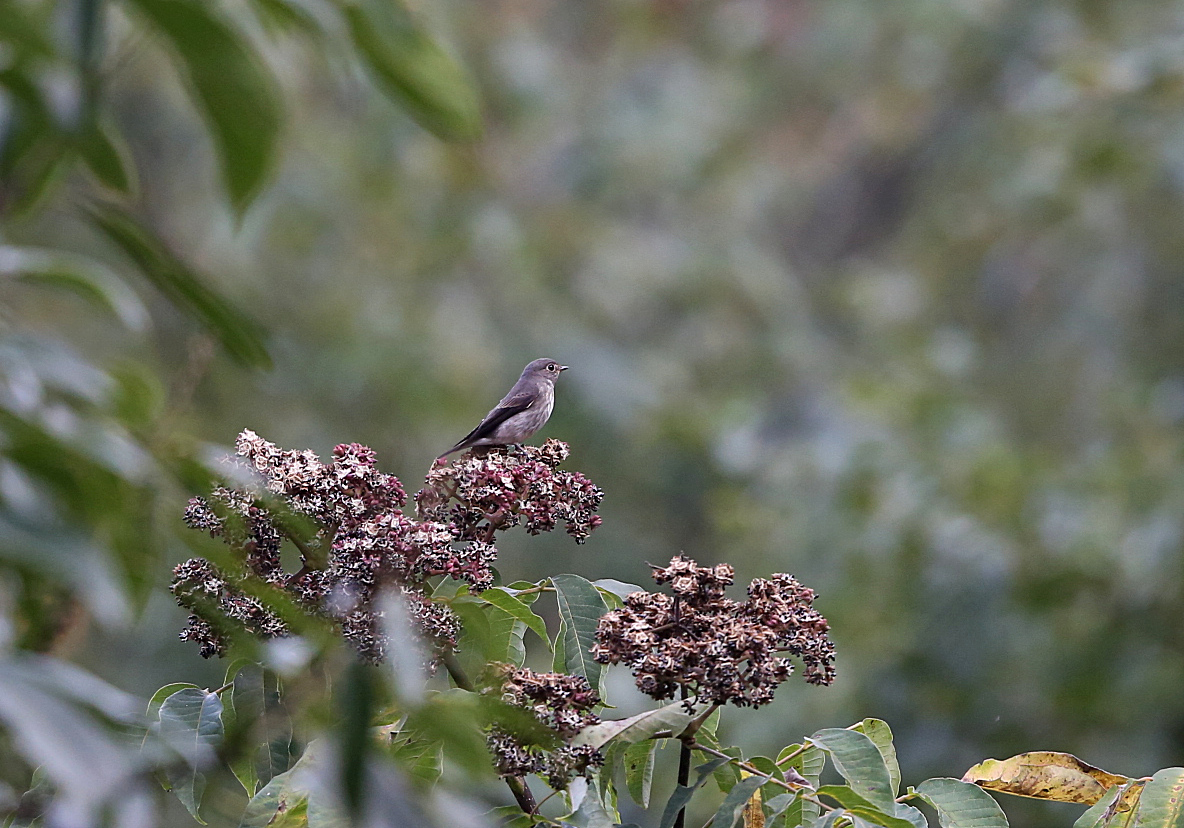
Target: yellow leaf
754 813
1060 777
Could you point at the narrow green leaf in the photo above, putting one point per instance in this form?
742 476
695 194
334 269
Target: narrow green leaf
682 794
503 600
639 770
559 659
859 761
881 735
239 335
106 156
1162 802
191 723
413 70
960 804
234 89
733 804
81 275
580 607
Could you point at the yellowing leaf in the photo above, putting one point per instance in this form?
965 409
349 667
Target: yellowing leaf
1060 777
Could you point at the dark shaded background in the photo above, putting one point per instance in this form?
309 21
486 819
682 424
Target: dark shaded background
885 295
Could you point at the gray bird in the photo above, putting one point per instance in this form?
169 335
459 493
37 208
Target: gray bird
521 412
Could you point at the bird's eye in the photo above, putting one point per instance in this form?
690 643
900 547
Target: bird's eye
551 367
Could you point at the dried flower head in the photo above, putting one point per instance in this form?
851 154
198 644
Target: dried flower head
485 491
562 704
358 540
718 649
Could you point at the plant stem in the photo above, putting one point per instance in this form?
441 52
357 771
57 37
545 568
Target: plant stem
516 784
684 759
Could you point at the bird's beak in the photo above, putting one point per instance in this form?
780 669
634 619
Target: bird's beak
564 367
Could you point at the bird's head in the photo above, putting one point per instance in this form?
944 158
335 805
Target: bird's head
544 368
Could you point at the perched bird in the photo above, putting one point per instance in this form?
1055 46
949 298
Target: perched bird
521 412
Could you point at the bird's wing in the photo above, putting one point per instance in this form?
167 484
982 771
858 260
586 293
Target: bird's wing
507 408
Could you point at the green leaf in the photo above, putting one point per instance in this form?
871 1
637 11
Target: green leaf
809 764
881 735
503 600
960 804
673 717
234 89
580 607
280 799
856 757
505 637
163 693
107 157
617 588
413 70
1096 815
733 804
1162 802
191 723
639 770
559 657
779 805
857 805
239 335
682 793
591 813
81 275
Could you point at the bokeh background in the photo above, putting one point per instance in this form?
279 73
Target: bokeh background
886 295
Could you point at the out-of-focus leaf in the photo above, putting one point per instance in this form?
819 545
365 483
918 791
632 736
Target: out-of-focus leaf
107 157
235 90
414 70
639 770
357 702
1162 802
423 760
287 15
580 607
33 145
74 726
881 735
191 723
21 31
960 804
1044 774
856 757
239 335
80 275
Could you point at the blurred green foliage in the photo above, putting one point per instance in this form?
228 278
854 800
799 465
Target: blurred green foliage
886 295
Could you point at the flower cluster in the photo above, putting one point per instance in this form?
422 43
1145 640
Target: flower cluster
347 519
717 649
563 705
488 490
